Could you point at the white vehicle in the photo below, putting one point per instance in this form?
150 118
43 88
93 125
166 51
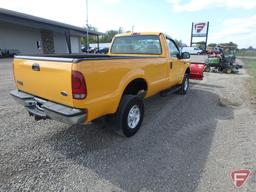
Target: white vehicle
192 50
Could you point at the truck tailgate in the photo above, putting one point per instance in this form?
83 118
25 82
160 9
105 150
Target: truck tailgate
50 80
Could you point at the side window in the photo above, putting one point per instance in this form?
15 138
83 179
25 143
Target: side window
172 48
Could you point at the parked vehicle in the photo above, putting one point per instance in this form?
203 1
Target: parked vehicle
13 52
8 52
219 60
84 49
103 50
192 50
77 89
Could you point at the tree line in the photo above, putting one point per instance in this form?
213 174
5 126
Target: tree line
108 36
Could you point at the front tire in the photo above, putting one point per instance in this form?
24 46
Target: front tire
185 85
130 115
228 71
207 69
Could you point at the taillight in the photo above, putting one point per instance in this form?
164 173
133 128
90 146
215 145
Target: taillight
79 89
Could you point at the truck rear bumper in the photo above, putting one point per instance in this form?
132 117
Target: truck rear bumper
43 109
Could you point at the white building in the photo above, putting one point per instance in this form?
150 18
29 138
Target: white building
33 35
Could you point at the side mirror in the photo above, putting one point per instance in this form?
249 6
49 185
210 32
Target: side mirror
185 55
179 55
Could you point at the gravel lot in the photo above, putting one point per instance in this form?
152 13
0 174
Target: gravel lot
187 143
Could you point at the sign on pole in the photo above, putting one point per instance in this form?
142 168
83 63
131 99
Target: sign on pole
199 29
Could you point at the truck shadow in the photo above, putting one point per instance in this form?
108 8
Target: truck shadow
167 154
207 85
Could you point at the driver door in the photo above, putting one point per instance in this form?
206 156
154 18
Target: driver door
177 66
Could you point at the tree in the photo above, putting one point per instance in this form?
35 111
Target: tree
179 42
212 45
92 39
105 38
108 36
120 30
229 45
200 45
250 48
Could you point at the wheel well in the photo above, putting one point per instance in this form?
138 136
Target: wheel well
135 86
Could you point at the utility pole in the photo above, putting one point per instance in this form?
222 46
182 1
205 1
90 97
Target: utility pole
132 29
87 27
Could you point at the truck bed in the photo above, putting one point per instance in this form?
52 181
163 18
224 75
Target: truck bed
75 58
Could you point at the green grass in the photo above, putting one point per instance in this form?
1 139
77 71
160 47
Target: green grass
246 53
251 65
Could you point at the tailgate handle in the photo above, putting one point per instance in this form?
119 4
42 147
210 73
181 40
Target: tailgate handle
36 67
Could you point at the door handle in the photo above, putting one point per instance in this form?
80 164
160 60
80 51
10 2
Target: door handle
36 67
170 65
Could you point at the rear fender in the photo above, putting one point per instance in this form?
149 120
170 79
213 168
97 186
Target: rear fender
138 74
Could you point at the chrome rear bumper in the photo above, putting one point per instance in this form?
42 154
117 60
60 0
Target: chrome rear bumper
43 109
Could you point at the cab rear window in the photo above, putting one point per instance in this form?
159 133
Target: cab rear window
137 44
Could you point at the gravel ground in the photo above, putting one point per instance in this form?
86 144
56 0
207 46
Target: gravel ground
186 143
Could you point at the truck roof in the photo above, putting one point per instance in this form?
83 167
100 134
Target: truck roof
138 33
142 33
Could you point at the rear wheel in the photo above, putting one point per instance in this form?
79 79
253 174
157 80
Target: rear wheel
185 85
130 115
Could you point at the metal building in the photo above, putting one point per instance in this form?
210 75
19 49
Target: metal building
34 35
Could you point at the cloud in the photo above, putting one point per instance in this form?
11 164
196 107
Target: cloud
237 29
239 26
197 5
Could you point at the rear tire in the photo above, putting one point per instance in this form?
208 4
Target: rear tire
185 85
129 116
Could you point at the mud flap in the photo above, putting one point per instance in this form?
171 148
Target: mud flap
197 70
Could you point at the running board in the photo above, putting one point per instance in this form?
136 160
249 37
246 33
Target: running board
170 91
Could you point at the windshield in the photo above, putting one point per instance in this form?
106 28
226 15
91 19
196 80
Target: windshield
140 44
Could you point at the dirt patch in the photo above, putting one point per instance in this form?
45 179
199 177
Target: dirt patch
224 102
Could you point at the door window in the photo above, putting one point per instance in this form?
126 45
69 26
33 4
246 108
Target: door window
173 50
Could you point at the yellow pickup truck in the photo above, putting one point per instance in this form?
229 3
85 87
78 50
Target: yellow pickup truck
77 89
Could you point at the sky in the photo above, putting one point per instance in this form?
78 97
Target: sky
230 20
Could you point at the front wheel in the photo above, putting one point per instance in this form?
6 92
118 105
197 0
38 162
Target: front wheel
185 85
130 115
228 71
207 69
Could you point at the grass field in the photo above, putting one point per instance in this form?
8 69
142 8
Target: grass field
246 53
251 65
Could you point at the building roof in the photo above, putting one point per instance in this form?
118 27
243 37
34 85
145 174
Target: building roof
38 22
